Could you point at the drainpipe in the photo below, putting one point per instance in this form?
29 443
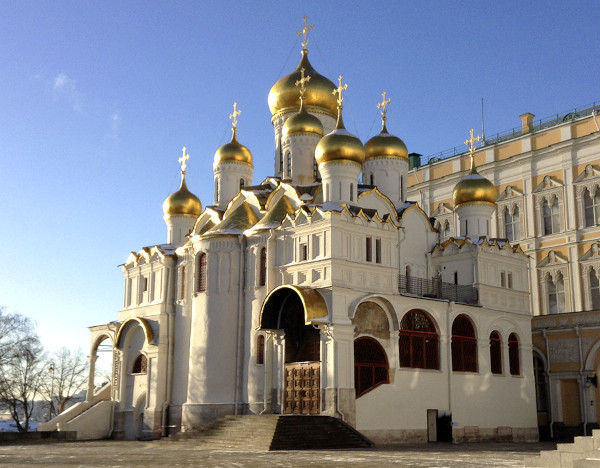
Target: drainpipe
171 334
581 383
240 324
449 355
548 359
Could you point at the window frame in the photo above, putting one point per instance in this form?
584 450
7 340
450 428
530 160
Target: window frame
464 345
409 338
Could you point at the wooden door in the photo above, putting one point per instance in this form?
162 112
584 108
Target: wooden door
571 406
302 388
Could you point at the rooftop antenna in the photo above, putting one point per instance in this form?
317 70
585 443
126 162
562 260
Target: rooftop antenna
482 125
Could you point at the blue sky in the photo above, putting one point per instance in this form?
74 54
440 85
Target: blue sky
97 99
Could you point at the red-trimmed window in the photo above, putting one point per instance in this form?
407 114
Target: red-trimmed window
464 345
201 267
370 365
419 341
262 273
496 352
513 354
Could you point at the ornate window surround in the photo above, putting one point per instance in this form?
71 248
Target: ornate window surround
548 190
588 179
587 262
510 198
551 266
443 215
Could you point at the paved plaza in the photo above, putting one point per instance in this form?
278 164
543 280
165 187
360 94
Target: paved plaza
117 454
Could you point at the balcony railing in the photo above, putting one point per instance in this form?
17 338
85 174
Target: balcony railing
539 124
435 288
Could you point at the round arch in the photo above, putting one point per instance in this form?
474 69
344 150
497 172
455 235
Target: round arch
312 302
386 305
145 327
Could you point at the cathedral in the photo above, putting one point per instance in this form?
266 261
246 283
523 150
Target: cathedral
322 290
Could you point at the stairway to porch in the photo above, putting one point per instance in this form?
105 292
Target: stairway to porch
273 432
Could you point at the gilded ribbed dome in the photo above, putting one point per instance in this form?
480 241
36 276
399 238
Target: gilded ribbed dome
474 188
182 203
385 145
340 145
284 93
233 152
302 122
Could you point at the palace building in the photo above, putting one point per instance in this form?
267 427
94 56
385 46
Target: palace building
547 176
330 289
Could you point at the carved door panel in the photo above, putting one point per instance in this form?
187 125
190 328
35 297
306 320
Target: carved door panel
302 388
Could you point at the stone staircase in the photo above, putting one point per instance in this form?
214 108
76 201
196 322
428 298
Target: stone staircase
273 432
584 452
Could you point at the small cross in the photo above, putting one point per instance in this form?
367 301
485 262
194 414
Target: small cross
233 116
339 90
184 157
471 145
304 32
302 82
383 104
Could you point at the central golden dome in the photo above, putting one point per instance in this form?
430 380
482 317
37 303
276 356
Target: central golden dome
182 203
302 122
284 93
340 145
385 145
474 188
233 152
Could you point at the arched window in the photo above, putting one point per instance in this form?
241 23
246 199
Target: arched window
315 169
496 352
242 184
216 190
260 349
181 283
280 163
418 341
262 270
140 365
201 270
372 179
370 365
513 354
551 218
556 294
511 224
539 373
288 158
464 345
401 187
594 290
591 207
351 192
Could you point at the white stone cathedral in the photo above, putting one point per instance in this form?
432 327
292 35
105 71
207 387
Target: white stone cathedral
320 291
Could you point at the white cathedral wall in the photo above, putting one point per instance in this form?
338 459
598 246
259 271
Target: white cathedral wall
389 175
227 179
415 239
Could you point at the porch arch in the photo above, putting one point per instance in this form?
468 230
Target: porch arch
274 304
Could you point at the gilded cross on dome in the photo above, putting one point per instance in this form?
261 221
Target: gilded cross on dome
304 32
339 90
184 157
471 145
383 104
233 116
302 82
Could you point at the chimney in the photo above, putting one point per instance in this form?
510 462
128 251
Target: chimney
414 160
527 122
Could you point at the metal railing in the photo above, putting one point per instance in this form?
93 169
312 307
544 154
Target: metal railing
435 288
515 132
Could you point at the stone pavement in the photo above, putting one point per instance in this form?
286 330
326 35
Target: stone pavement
117 454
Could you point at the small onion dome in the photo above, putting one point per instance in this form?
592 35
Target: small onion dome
182 203
474 188
284 93
385 145
233 152
302 122
340 145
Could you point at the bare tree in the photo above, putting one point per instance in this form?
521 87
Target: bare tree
21 367
67 377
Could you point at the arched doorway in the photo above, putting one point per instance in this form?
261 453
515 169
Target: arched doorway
290 310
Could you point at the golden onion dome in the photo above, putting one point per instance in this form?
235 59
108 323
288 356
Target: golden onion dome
474 188
182 203
233 152
284 93
385 145
340 145
302 122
